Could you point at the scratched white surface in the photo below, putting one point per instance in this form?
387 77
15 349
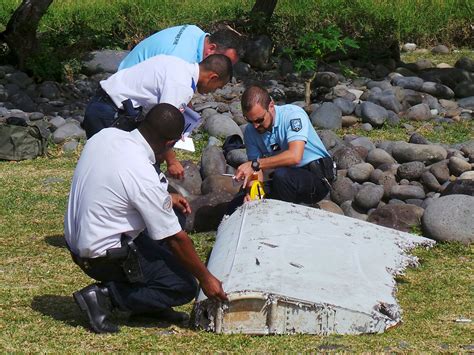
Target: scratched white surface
311 255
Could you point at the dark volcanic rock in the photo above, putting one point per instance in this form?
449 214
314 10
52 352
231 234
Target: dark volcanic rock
402 217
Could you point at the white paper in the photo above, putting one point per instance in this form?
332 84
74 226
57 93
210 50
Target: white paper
185 143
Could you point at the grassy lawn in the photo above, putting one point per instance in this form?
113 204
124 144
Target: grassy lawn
37 278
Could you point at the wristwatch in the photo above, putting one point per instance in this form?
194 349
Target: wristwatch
255 165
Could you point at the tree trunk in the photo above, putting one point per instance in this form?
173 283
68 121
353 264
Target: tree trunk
264 6
307 91
20 33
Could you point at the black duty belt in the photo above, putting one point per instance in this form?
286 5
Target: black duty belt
104 96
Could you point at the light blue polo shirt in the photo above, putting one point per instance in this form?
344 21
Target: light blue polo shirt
185 42
291 124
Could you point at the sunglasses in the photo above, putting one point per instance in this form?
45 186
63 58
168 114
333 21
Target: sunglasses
258 120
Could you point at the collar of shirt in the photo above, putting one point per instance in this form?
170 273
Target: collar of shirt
200 49
195 77
276 121
137 136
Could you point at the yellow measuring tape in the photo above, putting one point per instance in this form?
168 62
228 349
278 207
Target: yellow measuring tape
256 191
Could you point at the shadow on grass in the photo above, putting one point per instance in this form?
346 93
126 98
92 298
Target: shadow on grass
64 309
57 241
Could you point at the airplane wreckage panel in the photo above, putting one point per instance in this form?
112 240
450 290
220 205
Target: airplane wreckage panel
293 269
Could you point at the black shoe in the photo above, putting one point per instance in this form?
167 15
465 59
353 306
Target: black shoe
95 301
166 314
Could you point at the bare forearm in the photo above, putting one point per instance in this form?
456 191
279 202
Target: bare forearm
169 156
286 158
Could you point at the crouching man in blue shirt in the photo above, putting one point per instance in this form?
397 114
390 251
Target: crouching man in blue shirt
282 138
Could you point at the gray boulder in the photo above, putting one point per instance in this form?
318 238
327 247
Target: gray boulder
349 211
437 90
460 187
362 142
374 114
417 138
457 166
420 112
220 125
465 63
342 190
464 89
346 157
440 170
411 82
411 170
369 196
326 79
387 180
346 106
207 211
328 116
440 49
218 184
19 78
378 156
449 218
406 152
405 192
212 161
330 139
400 216
430 181
103 61
68 131
360 172
49 90
236 157
191 184
467 102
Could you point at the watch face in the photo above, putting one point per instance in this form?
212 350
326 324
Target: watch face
255 165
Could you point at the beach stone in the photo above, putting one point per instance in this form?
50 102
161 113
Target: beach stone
346 157
465 63
406 152
408 47
464 89
212 161
236 157
437 90
67 131
346 106
430 181
19 78
440 49
417 138
49 90
457 166
330 139
57 121
363 142
467 103
411 170
405 192
382 84
360 172
220 125
330 206
397 215
390 102
374 114
35 116
446 76
258 51
218 184
349 121
468 175
411 82
103 61
449 218
420 112
207 211
350 211
459 187
342 190
241 70
378 156
326 79
387 180
22 101
191 184
369 196
328 116
441 171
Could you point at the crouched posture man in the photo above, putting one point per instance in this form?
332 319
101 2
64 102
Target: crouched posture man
115 195
282 138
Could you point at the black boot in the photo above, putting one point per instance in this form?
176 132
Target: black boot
94 300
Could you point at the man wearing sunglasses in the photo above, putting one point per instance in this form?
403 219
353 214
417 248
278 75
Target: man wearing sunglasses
121 229
282 139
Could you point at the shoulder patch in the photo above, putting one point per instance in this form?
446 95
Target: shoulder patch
168 203
296 124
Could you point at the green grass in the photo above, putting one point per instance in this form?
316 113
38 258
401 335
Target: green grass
37 278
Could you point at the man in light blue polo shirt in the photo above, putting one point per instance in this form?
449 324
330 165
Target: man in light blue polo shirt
283 138
187 42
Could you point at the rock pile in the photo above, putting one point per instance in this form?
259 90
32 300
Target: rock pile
402 185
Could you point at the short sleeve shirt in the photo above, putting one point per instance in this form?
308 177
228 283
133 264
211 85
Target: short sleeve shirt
115 189
185 42
160 79
291 124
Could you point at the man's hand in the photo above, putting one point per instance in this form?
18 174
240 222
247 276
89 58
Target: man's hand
181 203
212 288
244 172
176 170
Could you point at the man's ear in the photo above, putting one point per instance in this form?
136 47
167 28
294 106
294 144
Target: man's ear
213 76
211 48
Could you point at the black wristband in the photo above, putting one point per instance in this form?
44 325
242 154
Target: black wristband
255 165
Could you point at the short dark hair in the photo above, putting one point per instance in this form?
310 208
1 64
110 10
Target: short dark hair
227 39
163 122
254 95
220 64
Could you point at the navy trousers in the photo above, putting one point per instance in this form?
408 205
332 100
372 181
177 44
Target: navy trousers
290 184
100 113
